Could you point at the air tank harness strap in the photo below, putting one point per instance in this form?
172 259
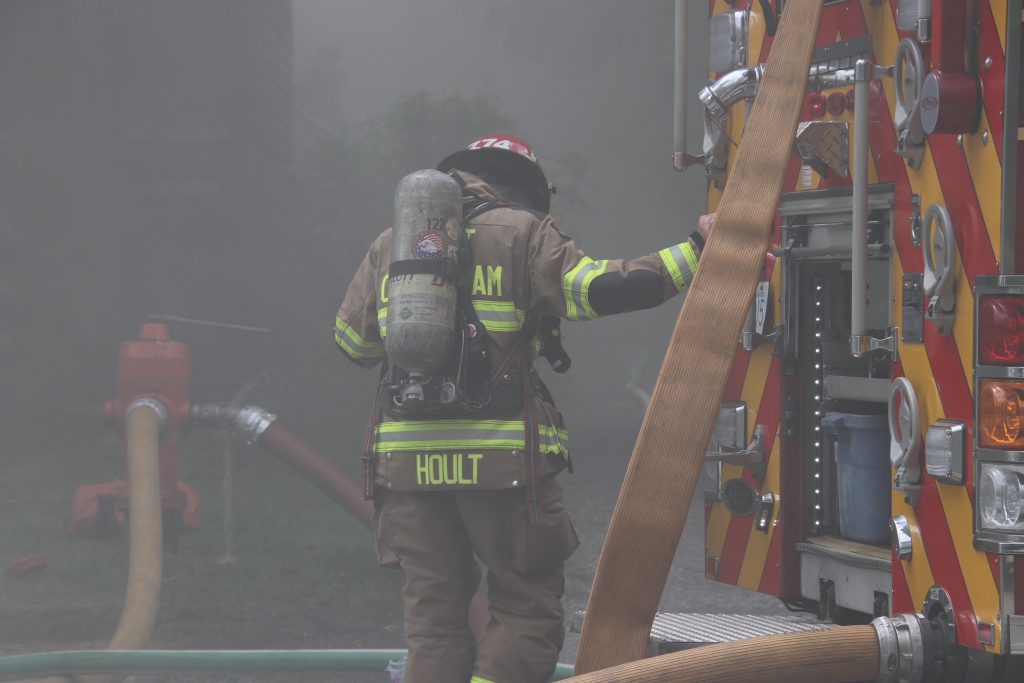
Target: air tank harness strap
533 506
532 434
445 268
514 355
371 432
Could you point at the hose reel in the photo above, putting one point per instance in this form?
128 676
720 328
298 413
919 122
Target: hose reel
939 246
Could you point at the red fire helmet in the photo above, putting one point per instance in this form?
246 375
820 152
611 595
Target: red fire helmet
509 155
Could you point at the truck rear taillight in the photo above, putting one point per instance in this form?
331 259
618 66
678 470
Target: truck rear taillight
999 412
1000 496
816 105
1001 330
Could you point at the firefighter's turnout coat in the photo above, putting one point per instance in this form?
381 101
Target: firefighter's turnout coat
522 268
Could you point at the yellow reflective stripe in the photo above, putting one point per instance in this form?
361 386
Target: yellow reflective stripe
576 286
553 440
465 434
480 679
354 345
499 316
382 321
681 262
691 257
591 313
440 425
673 269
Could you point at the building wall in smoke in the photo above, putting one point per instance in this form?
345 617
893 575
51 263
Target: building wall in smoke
145 166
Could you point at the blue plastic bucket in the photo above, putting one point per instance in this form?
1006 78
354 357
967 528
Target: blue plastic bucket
862 474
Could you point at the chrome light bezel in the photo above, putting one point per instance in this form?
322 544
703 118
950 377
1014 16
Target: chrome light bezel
731 426
728 39
1001 541
914 15
950 436
901 537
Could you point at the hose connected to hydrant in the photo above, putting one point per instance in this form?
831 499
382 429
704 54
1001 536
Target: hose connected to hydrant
145 528
143 420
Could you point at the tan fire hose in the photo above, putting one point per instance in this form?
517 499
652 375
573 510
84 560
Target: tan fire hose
651 510
145 534
145 531
838 655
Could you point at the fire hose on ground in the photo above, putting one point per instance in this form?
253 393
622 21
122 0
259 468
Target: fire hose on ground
908 649
124 663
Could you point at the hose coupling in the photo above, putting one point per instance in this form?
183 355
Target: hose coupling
911 648
154 404
249 422
252 421
734 86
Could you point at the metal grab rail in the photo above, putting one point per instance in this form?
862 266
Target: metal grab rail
681 159
860 343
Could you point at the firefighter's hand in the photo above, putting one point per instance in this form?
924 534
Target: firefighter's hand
705 223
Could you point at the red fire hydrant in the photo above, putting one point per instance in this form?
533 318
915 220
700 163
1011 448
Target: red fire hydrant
155 370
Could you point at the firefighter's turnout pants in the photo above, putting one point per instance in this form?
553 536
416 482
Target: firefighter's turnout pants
433 537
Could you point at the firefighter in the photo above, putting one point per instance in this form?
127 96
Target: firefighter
479 481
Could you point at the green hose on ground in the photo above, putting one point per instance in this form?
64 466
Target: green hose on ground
125 662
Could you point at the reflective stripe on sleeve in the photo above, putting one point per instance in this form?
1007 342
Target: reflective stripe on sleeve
681 262
349 341
576 286
499 316
448 435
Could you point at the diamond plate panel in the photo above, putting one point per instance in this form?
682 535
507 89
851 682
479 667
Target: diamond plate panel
825 145
703 629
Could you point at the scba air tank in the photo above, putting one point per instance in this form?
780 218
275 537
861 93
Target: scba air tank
422 292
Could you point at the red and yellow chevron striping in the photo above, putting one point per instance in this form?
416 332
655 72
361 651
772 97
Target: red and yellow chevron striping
962 173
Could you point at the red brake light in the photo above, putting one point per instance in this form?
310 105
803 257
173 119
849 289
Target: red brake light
835 103
849 100
1001 330
816 103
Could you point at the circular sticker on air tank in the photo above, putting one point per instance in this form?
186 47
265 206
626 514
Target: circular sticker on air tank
429 246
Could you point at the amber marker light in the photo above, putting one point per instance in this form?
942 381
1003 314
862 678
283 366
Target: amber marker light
999 413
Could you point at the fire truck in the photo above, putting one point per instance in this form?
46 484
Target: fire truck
869 457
